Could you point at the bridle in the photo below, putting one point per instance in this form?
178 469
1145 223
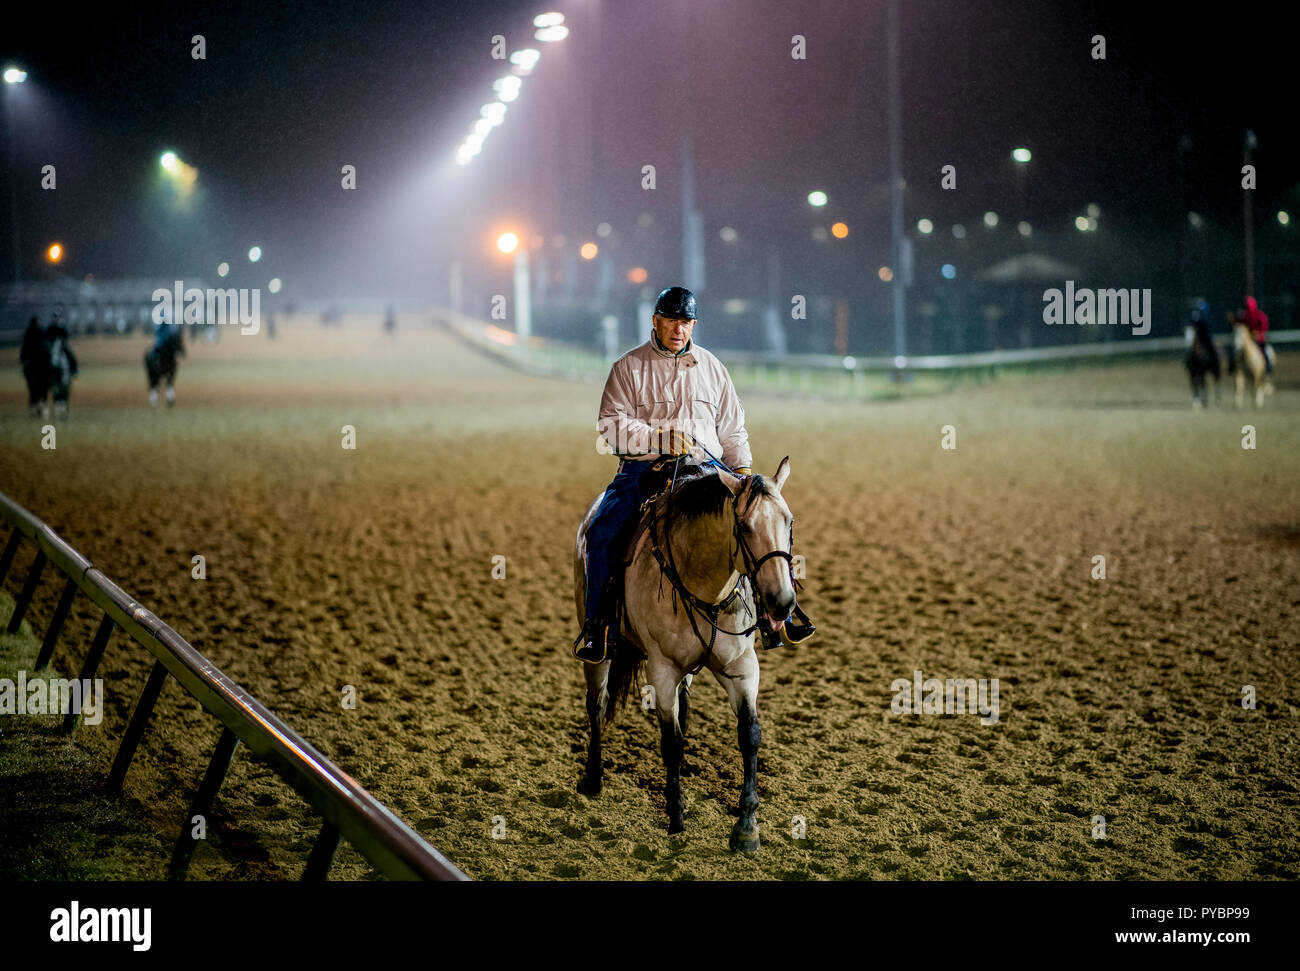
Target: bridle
707 609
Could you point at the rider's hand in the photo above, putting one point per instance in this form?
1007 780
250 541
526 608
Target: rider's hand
743 470
671 441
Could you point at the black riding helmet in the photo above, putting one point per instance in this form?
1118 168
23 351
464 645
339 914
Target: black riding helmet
676 303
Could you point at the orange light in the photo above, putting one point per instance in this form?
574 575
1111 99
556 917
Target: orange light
839 230
54 253
507 242
588 251
636 275
885 274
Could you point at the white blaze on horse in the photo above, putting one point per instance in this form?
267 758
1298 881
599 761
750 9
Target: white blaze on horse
1249 362
712 564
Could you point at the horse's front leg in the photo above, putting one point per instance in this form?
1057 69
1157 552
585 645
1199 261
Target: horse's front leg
741 683
672 741
597 698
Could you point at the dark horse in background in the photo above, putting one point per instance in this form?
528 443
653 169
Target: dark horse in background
160 363
1202 358
35 359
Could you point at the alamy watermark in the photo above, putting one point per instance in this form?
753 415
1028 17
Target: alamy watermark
955 696
242 306
53 696
1125 308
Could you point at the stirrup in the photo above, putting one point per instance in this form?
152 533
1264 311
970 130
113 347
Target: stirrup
796 632
585 650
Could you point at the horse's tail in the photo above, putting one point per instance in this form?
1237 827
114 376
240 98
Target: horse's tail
624 676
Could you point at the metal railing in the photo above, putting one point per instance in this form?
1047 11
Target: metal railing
347 809
541 355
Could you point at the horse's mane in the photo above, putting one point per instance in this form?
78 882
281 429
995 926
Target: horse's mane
706 495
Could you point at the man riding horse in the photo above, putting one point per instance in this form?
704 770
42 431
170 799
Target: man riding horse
668 397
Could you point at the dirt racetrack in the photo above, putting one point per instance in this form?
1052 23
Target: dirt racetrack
327 567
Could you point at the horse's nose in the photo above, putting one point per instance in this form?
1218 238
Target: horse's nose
778 604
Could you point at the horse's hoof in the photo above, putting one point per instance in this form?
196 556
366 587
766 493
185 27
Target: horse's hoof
589 787
745 841
676 826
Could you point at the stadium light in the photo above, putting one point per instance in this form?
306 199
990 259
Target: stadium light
1283 217
170 162
254 254
1021 155
552 34
274 285
588 251
990 219
839 230
817 198
15 75
507 242
54 253
525 60
924 227
548 20
223 268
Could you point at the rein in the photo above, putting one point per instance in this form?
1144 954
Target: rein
693 604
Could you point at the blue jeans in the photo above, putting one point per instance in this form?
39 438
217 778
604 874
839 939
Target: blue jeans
623 497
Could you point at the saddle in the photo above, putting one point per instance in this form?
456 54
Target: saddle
664 477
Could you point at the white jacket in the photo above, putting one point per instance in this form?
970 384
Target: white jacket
650 388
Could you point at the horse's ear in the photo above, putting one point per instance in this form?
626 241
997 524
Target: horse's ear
732 482
782 473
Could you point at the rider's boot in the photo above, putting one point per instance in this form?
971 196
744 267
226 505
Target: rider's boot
797 629
593 641
153 397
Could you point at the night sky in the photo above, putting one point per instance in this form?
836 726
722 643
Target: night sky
290 92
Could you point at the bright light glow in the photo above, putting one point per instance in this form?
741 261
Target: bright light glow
525 60
1092 224
548 20
1195 219
636 275
1024 229
1283 217
223 269
1094 210
15 75
728 234
990 219
169 161
949 271
1081 223
924 227
495 113
850 363
274 285
885 273
733 306
817 198
900 361
507 242
839 230
474 142
604 229
588 251
551 34
1021 155
54 253
959 231
254 254
507 88
482 127
463 155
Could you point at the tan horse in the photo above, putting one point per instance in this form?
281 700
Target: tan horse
718 538
1249 361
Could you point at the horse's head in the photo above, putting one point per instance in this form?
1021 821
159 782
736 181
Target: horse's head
764 532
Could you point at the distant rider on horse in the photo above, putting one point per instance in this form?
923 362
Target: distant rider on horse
1256 322
160 361
661 399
